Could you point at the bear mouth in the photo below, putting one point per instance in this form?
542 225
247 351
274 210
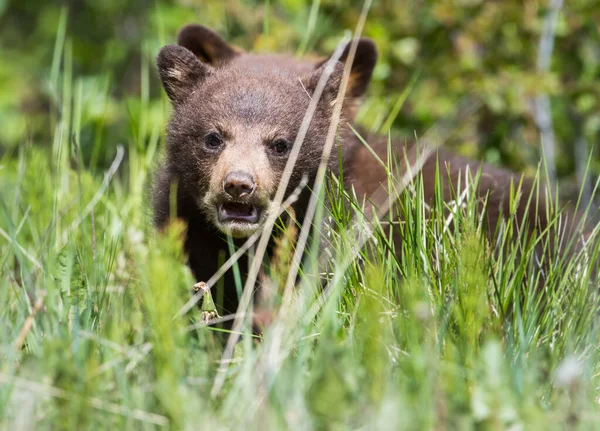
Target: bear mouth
238 212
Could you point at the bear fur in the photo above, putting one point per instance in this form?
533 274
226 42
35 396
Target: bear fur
235 116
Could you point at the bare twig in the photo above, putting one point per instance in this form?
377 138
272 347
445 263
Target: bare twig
29 321
547 39
322 170
541 103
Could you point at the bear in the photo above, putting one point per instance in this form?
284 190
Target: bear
235 118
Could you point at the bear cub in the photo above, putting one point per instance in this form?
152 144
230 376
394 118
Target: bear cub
235 118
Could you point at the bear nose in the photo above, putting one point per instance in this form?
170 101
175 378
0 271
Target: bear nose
238 184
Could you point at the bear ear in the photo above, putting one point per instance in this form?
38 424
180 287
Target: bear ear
206 44
180 71
362 66
333 82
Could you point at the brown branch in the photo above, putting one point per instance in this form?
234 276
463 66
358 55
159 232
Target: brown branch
29 322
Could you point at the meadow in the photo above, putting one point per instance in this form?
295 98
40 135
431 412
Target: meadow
448 332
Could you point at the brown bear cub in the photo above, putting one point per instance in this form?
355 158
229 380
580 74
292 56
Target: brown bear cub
235 118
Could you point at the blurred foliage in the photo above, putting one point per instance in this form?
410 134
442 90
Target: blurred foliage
458 47
424 341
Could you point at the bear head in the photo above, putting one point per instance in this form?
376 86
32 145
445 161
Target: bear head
236 116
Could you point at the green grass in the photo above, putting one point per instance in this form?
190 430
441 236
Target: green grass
435 334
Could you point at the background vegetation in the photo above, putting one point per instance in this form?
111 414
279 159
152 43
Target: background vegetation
88 292
486 49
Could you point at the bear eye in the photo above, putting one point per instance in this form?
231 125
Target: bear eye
213 140
280 147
